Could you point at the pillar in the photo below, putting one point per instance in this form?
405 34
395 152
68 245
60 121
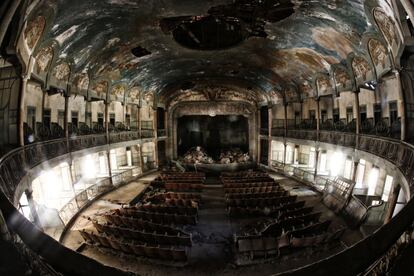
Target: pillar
358 117
155 123
392 202
315 173
354 172
139 120
285 105
318 118
107 103
66 118
270 124
284 152
21 109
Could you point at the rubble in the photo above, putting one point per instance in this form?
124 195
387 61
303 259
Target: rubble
198 155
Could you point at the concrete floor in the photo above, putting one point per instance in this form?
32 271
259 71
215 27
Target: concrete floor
211 253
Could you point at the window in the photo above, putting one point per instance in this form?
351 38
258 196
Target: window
393 112
289 154
127 120
129 157
348 168
102 164
112 156
100 119
363 113
31 117
46 118
66 178
75 118
373 180
324 115
360 173
312 115
297 118
61 118
335 113
377 113
322 162
112 119
88 118
312 158
349 114
387 188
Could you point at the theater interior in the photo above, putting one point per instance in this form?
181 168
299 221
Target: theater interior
219 137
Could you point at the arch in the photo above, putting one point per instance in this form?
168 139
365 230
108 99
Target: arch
118 91
361 69
133 95
323 84
34 31
342 79
99 89
388 29
380 57
80 84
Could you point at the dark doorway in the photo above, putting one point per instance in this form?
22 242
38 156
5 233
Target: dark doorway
160 118
264 151
264 117
214 134
162 158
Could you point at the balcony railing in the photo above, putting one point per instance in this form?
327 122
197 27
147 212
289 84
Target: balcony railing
352 261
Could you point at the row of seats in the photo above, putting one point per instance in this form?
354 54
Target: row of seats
171 202
243 174
140 224
166 253
272 211
256 195
254 190
248 179
183 186
142 235
261 202
171 195
162 218
178 210
249 185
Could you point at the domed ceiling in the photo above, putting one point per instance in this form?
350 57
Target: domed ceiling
272 44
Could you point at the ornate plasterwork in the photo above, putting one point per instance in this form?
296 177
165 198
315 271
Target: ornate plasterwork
34 31
44 58
133 94
218 108
61 71
307 90
324 85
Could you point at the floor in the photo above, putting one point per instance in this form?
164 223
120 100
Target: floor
211 253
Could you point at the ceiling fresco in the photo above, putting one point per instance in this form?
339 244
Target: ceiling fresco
154 44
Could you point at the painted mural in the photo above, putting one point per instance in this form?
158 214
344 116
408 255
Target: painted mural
81 82
100 88
61 71
362 70
118 91
379 56
342 80
387 26
34 31
44 58
324 86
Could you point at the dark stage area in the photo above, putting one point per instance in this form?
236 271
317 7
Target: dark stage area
214 134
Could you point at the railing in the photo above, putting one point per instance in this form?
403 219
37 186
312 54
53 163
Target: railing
147 133
86 196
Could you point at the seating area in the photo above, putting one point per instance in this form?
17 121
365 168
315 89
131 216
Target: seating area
153 228
284 224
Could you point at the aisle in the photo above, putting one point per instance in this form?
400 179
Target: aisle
212 235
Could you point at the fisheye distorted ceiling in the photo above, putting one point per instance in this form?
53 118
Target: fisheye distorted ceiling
153 44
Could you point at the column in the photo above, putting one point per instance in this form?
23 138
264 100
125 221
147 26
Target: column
66 118
285 105
21 109
284 152
107 103
270 124
318 117
259 148
354 172
316 161
155 123
358 118
392 202
108 157
139 120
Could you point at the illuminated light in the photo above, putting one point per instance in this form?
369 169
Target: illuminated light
372 181
112 156
129 158
88 167
336 163
212 114
51 183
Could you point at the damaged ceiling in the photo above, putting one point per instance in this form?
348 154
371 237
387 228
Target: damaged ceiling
154 44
